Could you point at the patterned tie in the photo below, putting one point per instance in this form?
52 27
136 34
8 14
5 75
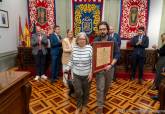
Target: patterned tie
39 41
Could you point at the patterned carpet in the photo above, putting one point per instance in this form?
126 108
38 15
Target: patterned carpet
125 97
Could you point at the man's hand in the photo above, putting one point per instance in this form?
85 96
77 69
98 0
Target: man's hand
154 46
108 67
139 42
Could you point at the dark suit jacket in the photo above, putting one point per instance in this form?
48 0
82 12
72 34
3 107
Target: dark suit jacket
117 38
161 51
55 44
139 49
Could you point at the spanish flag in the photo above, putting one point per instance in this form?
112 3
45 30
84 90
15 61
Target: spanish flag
21 38
27 34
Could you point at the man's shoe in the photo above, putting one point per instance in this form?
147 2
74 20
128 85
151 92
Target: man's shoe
140 81
156 98
37 77
153 87
99 110
114 79
84 110
132 78
44 77
77 111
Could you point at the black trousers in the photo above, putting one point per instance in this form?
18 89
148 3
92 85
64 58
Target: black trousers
159 65
82 87
137 61
40 63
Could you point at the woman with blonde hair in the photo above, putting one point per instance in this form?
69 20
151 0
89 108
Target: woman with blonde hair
67 44
81 65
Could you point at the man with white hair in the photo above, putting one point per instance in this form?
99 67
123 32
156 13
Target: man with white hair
39 50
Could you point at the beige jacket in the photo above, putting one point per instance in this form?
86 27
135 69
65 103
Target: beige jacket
67 48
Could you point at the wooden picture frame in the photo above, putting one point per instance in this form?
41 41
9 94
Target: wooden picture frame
4 19
102 55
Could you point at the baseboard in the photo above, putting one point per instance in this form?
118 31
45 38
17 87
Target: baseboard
7 60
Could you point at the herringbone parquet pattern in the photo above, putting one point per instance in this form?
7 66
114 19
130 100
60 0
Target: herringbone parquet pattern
124 97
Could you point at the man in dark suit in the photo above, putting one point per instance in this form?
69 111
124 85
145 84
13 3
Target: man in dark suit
104 77
139 42
39 43
114 35
117 39
55 51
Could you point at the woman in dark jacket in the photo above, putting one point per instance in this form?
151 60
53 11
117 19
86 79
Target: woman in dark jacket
159 65
161 61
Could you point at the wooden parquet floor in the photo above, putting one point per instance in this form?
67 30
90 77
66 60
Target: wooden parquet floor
124 97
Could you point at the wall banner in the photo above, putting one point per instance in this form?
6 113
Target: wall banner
134 14
86 15
42 13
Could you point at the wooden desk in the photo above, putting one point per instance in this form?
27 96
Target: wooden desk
15 92
25 58
125 59
163 74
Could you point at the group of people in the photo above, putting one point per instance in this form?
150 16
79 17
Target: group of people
77 57
80 63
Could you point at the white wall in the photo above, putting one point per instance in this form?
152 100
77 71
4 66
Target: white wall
162 27
61 15
9 36
155 13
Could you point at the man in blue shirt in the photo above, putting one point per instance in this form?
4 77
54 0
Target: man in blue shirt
117 39
104 78
55 51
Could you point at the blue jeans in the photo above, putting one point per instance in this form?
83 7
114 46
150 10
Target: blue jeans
55 67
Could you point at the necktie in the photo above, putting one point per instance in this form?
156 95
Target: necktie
39 40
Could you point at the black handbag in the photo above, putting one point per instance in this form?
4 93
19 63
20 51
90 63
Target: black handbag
70 83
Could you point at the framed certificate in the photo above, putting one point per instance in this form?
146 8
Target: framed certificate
102 55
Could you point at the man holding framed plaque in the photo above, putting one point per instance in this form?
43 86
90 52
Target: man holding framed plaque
105 57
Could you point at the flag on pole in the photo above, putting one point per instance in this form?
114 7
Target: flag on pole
21 38
27 34
34 28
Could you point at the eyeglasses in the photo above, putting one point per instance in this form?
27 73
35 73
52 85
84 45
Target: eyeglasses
102 29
